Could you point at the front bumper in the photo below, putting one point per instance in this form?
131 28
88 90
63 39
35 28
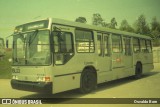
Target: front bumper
41 87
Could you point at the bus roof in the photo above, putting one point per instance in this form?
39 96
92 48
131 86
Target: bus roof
87 26
96 28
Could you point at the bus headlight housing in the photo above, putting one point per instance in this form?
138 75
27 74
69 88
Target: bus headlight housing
47 79
43 79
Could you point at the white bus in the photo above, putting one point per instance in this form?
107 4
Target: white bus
2 48
55 55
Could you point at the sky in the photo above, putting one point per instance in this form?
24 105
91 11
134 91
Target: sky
16 12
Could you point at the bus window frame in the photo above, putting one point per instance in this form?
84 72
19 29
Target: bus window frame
62 53
139 46
120 45
150 45
143 46
130 51
103 45
93 40
99 44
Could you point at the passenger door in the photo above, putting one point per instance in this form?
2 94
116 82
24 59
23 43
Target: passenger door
127 53
117 61
104 59
117 57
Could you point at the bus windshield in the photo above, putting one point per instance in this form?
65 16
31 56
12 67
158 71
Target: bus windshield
31 48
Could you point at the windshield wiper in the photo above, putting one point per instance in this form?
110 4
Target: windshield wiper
32 37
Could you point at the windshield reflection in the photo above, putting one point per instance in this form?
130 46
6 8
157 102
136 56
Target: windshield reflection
31 48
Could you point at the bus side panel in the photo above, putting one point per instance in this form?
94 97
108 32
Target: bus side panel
66 82
68 76
146 59
147 68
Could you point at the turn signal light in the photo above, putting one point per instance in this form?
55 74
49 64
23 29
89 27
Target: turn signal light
47 79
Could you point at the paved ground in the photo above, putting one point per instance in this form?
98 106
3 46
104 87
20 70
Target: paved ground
146 87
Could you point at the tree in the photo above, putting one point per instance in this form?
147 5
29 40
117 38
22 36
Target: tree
155 31
97 19
156 37
141 26
125 26
113 23
104 24
155 25
81 20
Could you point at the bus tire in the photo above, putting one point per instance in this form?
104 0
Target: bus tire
138 71
88 81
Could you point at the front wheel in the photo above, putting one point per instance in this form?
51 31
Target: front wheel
88 81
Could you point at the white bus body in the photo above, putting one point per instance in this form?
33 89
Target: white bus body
55 55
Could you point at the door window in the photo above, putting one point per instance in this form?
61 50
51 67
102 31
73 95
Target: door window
63 47
127 45
116 44
136 45
102 44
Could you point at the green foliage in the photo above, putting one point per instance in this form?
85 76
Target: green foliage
125 26
113 23
141 26
97 19
155 31
81 20
156 37
155 25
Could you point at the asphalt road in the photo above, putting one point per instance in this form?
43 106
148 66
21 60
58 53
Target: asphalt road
146 87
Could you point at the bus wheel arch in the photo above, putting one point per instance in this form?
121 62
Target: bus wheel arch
88 79
138 70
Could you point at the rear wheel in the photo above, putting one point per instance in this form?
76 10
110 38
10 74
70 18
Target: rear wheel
88 81
138 71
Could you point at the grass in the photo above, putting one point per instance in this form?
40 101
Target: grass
5 66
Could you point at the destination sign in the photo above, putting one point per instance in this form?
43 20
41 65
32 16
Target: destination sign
32 26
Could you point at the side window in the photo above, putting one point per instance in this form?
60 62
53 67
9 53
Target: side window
68 42
99 44
127 45
63 42
143 45
116 43
102 44
84 41
56 44
63 47
136 45
148 44
106 46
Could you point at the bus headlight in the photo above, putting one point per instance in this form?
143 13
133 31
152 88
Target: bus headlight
43 79
15 77
40 79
